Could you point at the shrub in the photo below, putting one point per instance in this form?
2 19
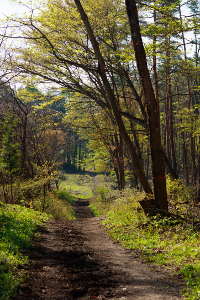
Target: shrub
182 201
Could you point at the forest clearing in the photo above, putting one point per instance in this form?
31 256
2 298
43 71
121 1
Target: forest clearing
100 149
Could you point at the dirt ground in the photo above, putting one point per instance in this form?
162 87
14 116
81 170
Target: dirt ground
77 260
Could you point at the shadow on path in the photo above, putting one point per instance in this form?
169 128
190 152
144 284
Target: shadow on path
77 260
82 210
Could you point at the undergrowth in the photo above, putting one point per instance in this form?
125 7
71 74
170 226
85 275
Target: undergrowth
17 226
172 242
103 199
57 203
38 195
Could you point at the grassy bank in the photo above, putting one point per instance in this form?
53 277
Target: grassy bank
17 226
58 203
170 242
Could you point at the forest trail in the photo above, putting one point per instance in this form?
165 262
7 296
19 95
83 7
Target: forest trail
77 260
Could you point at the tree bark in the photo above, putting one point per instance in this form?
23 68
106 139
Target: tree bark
169 113
155 64
113 102
158 168
190 104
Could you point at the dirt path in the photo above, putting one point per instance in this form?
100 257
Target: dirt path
77 260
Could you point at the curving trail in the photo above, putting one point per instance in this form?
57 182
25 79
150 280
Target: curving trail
77 260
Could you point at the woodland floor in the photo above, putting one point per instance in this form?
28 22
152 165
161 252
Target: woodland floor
77 260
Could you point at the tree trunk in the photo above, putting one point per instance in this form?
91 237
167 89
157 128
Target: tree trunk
190 104
168 107
113 102
158 168
120 162
199 171
155 65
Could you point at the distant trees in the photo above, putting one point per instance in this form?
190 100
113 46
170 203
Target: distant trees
31 140
95 126
9 156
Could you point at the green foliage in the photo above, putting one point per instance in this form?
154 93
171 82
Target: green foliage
89 121
113 197
98 157
100 208
17 226
26 192
65 196
166 241
57 204
9 154
31 95
191 274
101 202
182 200
103 193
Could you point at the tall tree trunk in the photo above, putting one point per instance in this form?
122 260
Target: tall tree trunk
190 105
121 163
113 102
118 160
184 146
155 65
158 168
166 128
23 108
169 113
199 171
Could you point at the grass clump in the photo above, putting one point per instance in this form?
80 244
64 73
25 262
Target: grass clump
65 196
106 198
100 205
99 208
103 199
17 226
103 193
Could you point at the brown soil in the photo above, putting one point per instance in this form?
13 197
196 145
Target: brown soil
77 260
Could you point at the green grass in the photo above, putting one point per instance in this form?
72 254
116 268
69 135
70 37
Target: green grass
65 196
30 193
101 203
79 186
169 242
164 242
17 226
99 208
57 203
